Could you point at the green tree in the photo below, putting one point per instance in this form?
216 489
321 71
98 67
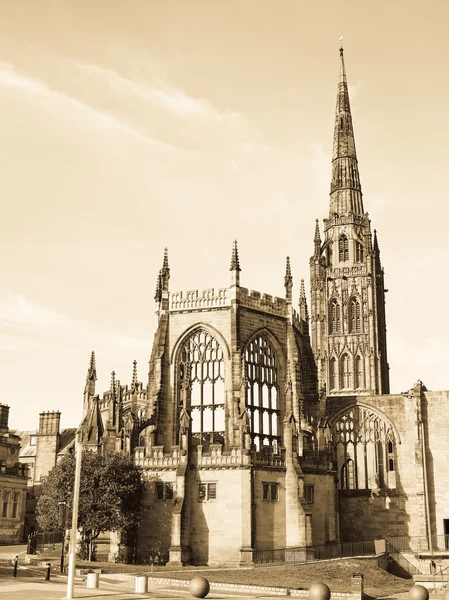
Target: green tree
111 491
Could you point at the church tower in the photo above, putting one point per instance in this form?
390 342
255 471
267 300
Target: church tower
347 279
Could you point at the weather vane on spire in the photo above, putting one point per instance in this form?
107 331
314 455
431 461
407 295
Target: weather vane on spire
341 42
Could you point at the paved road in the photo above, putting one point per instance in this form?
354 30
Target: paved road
24 588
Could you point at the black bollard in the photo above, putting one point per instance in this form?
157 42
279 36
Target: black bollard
15 563
47 574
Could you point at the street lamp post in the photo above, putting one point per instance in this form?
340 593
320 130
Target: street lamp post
76 497
62 525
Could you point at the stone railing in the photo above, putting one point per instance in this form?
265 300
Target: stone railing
215 457
193 299
157 458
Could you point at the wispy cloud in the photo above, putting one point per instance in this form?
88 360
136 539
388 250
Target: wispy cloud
10 79
25 324
160 94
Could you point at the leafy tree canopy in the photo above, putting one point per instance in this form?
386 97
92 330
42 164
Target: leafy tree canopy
111 491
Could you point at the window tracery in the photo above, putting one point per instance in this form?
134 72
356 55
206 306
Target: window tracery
355 322
345 371
333 375
347 475
363 437
358 252
358 372
262 397
202 376
343 248
334 317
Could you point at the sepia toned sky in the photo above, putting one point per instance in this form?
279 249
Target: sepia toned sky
126 127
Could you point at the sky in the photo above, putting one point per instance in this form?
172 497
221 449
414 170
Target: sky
127 127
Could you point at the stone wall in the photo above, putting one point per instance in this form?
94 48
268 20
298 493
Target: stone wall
270 525
364 516
436 431
154 529
322 509
216 526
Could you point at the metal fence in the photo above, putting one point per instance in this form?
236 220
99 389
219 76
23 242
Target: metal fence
300 555
440 543
39 542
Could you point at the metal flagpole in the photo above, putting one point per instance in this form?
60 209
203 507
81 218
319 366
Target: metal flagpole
76 498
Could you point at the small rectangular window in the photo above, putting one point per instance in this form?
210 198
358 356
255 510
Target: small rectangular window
160 491
33 440
270 491
266 487
212 491
207 491
6 496
309 493
15 504
164 490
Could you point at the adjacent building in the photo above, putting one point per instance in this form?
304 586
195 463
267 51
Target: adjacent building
13 483
40 450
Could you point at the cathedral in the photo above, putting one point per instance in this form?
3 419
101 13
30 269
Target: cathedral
267 425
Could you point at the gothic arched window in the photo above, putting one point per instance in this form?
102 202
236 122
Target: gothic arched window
345 371
262 393
358 372
334 317
202 375
333 375
358 252
363 437
355 323
390 456
343 249
347 475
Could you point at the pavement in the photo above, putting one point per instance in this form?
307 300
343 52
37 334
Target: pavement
25 586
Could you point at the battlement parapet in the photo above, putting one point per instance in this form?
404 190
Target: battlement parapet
262 302
194 300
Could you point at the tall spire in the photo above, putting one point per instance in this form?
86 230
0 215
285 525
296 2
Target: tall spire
317 239
89 388
165 272
288 280
375 243
235 264
134 381
113 385
346 191
158 293
112 399
92 371
303 310
165 267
